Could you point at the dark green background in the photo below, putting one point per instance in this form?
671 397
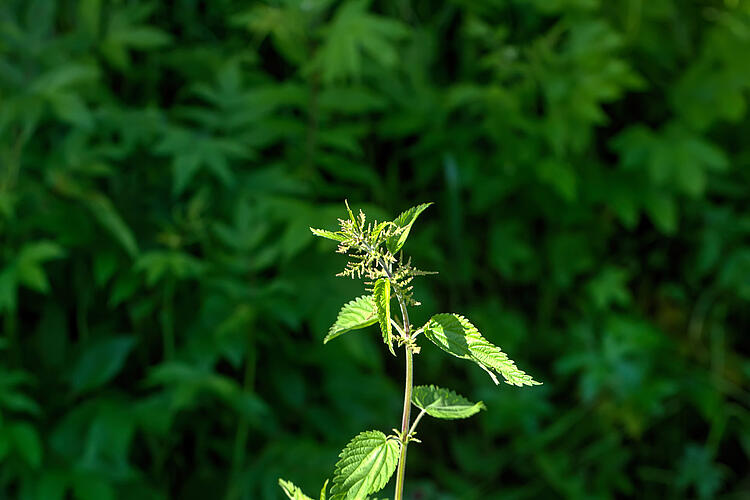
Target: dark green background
163 301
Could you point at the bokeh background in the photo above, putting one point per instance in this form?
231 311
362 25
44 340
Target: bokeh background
163 302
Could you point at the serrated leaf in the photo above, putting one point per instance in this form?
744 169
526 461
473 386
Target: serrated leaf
356 314
323 233
365 466
292 491
382 294
444 403
457 336
403 225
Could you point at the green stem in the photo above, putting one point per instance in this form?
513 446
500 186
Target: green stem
404 426
11 337
168 320
408 348
243 428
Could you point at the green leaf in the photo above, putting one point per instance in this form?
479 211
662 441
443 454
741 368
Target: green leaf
158 265
92 487
51 486
69 107
352 31
327 234
8 289
108 216
64 76
365 466
444 403
40 251
27 443
403 225
292 491
356 314
4 444
457 336
351 214
101 208
140 37
295 493
101 361
382 294
28 264
663 211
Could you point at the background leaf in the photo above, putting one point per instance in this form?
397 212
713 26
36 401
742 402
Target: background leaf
587 160
99 362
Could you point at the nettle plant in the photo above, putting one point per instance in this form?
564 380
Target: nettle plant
367 463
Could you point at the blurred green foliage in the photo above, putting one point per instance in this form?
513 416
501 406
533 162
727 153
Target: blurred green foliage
161 296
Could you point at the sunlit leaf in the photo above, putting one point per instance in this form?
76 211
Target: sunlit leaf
403 225
444 403
358 313
382 299
457 336
365 466
292 491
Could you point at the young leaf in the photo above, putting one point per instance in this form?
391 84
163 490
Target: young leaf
382 293
292 491
365 466
358 313
444 403
351 214
457 336
327 234
403 225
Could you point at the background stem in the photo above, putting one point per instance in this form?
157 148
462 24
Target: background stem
243 428
167 320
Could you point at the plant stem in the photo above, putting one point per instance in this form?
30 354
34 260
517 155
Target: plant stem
404 426
167 320
243 428
11 335
408 348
